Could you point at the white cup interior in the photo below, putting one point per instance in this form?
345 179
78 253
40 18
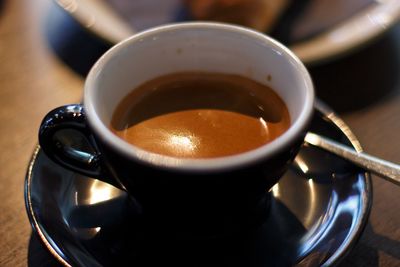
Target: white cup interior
207 47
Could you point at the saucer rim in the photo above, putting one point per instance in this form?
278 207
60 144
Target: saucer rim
344 249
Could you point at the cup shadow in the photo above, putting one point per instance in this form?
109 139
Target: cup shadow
247 248
363 78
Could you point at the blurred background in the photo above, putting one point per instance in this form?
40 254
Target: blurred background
351 48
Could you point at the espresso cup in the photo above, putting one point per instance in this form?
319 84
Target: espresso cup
183 196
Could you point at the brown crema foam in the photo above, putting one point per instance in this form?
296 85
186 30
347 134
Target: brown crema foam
200 115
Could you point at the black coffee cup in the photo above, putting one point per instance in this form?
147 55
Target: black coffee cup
181 196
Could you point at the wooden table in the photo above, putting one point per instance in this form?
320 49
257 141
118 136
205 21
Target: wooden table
364 88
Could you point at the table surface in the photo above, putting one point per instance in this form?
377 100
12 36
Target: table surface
364 88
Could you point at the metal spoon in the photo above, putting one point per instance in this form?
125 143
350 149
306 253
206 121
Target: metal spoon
385 169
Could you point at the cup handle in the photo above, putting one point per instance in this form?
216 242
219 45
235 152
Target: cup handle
68 151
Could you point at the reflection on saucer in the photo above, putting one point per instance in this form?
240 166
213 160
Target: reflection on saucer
318 211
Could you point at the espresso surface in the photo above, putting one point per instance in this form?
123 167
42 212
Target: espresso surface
200 115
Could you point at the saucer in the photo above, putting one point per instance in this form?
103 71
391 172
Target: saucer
318 212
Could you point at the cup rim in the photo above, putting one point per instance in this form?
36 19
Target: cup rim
207 164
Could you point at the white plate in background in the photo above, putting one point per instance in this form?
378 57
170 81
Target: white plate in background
321 33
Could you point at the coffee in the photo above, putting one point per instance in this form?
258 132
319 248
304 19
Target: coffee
200 115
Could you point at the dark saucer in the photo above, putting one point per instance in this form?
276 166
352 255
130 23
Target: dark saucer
318 212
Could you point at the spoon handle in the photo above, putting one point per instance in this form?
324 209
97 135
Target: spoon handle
387 170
